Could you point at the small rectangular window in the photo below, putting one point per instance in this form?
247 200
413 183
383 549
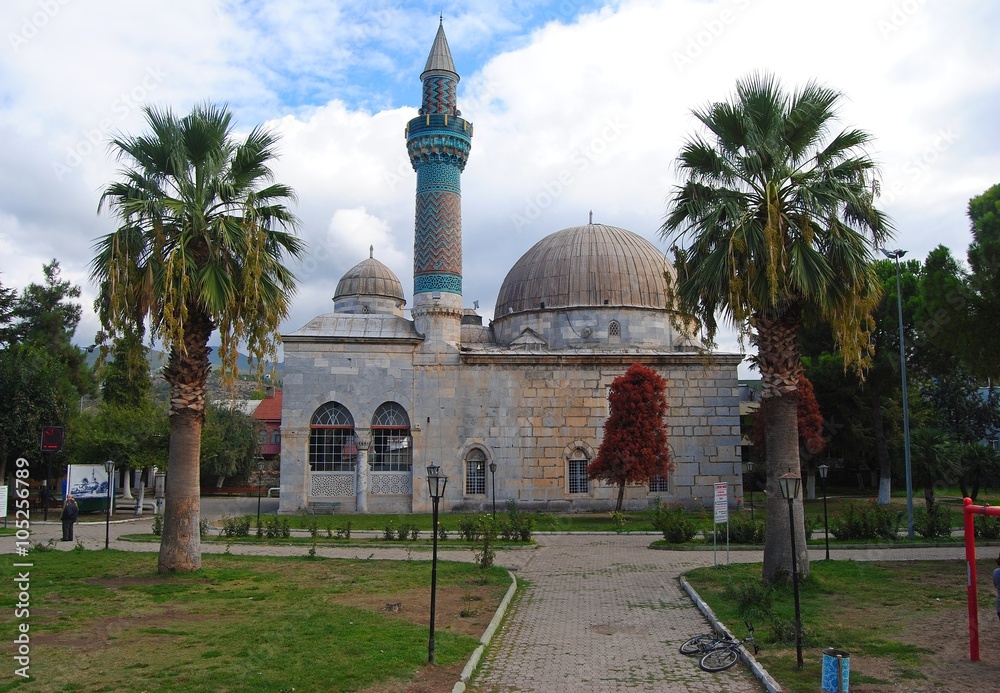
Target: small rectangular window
475 477
658 484
578 481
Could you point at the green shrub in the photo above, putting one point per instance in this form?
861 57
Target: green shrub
866 521
618 520
344 531
676 528
518 525
743 530
935 524
987 526
754 599
235 526
468 527
275 527
158 524
486 530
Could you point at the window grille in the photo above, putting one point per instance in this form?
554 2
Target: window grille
658 484
614 329
391 450
578 481
475 472
332 445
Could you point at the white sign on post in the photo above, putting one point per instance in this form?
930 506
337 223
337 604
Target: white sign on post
721 503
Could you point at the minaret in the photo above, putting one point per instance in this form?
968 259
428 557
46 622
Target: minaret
438 142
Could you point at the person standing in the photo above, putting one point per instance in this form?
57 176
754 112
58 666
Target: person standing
70 512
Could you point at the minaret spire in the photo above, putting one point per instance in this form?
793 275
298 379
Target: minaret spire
438 142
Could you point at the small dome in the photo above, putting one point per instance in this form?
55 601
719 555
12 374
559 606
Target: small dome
369 278
586 266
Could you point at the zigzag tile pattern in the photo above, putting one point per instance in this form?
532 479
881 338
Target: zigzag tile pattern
439 94
437 243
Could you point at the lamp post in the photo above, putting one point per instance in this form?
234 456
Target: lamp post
824 469
109 467
493 481
436 483
895 255
749 465
790 484
260 481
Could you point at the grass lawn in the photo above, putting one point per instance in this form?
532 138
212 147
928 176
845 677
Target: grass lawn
904 623
106 621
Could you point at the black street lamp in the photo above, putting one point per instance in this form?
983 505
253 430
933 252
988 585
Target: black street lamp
789 490
493 478
109 467
824 469
436 483
748 466
895 255
260 481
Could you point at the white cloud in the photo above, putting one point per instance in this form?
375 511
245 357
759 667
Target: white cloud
577 106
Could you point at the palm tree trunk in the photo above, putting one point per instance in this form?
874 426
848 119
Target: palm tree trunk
782 443
187 372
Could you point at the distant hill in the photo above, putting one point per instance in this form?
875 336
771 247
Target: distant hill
158 359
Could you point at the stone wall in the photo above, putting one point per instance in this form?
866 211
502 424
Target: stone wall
528 412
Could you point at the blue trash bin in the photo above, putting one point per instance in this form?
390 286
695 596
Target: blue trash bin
836 671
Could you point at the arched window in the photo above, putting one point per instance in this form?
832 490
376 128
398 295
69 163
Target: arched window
475 472
576 472
614 329
331 439
276 437
261 437
390 449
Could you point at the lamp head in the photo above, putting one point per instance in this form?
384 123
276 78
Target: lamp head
824 469
493 467
260 464
108 466
436 481
789 485
749 465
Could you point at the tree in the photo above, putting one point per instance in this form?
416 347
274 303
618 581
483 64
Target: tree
125 379
776 220
935 459
46 317
229 443
203 231
634 449
8 300
809 422
36 393
984 281
133 436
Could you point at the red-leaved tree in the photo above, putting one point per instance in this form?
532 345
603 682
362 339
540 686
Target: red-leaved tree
634 448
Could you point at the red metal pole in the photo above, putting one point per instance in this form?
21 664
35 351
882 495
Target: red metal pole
970 567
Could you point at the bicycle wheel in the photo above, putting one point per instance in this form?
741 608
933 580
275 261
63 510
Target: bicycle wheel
719 660
699 644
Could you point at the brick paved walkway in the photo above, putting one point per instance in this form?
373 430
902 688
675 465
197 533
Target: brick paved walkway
598 612
603 613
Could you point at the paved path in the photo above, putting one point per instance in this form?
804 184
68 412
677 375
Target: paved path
599 612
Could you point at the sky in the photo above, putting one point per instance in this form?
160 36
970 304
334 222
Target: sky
578 106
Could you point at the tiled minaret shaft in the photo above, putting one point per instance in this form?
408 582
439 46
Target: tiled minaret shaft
438 142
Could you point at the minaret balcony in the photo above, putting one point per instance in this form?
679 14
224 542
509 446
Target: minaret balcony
438 122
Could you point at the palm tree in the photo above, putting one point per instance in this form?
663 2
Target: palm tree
774 225
202 235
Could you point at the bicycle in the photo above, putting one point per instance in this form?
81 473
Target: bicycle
701 644
726 653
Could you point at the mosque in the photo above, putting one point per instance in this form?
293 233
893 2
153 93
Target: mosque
509 410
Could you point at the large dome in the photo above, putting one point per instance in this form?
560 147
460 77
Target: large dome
369 278
586 266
